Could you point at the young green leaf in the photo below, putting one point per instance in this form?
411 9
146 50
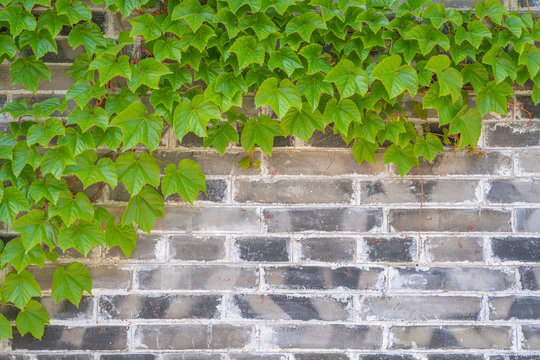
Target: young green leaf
18 19
248 51
138 127
312 87
474 34
187 181
302 123
428 147
193 13
501 63
349 79
32 319
492 98
364 150
76 10
280 96
19 288
16 254
342 114
476 74
220 135
286 59
492 8
395 77
56 159
34 228
146 26
70 282
144 208
24 155
194 115
82 236
124 236
28 71
70 208
260 132
5 328
428 37
48 188
12 204
43 133
404 158
109 67
90 172
136 172
41 42
88 34
469 126
77 140
305 25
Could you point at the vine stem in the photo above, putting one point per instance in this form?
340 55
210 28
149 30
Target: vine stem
527 111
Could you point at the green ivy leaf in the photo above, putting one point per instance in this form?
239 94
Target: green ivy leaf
170 48
147 72
41 42
43 133
260 23
88 34
76 11
137 127
16 254
444 105
348 78
476 74
312 87
70 208
82 92
187 181
492 98
82 236
7 46
428 146
475 33
90 172
279 5
48 188
305 25
492 8
317 62
144 208
220 135
70 282
19 288
5 328
124 236
77 141
531 58
428 37
52 22
56 159
193 13
260 132
32 319
502 64
469 126
286 59
404 157
194 116
342 114
18 19
109 67
12 204
28 71
371 124
24 155
126 7
303 122
137 172
146 26
395 77
89 117
364 150
34 228
280 96
248 51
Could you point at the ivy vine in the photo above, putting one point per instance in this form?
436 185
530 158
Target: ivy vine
318 64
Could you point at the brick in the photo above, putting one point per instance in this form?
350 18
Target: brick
327 139
322 337
330 163
211 162
262 249
257 357
170 306
513 357
515 134
347 219
386 357
394 249
451 279
407 191
198 356
455 357
198 248
513 248
461 163
528 220
323 278
287 307
149 247
328 249
526 162
58 75
530 277
58 337
525 101
204 218
454 220
100 274
191 337
514 191
66 54
294 191
216 191
63 310
531 337
128 357
515 307
65 357
321 356
197 277
451 337
420 308
453 248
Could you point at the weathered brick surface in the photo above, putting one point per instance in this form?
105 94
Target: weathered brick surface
327 249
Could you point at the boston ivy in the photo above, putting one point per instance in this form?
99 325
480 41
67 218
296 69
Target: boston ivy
317 64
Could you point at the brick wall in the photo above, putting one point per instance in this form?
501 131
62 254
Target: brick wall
315 257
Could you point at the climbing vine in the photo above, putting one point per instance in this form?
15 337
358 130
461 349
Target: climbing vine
188 66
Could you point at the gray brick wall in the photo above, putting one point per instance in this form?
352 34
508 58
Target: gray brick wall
314 257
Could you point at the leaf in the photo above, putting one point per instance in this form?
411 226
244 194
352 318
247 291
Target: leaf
260 132
371 124
492 8
229 85
5 328
109 67
364 150
7 142
70 209
41 42
316 61
438 63
52 22
18 19
88 34
170 48
199 41
395 78
146 26
476 74
34 228
16 254
82 236
492 98
70 282
193 13
194 116
501 63
32 319
143 209
126 7
220 135
305 25
77 141
286 59
531 58
90 172
187 181
137 127
120 235
43 133
56 159
88 117
469 126
279 5
48 188
450 83
474 34
260 23
76 11
28 71
303 122
19 288
82 92
404 158
22 156
348 78
444 105
428 37
248 51
280 96
342 114
137 172
428 147
12 204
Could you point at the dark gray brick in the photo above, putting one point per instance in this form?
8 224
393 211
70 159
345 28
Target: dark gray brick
451 279
527 162
197 356
128 357
455 220
126 307
451 337
216 191
420 308
189 247
149 247
323 278
348 219
517 134
528 220
258 357
530 277
58 75
66 54
327 139
58 337
512 191
322 337
515 307
197 277
386 357
407 191
513 357
531 337
328 249
455 357
191 337
65 357
329 163
395 249
258 248
211 162
204 218
100 274
453 248
294 191
286 307
525 101
321 356
461 163
513 248
63 310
